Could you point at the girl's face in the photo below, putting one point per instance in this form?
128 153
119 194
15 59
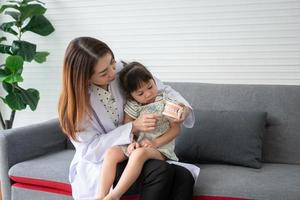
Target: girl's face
146 93
104 71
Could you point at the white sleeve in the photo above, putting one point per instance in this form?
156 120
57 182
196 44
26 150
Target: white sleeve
119 65
190 120
93 144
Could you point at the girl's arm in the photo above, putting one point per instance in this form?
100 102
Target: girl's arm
168 136
127 118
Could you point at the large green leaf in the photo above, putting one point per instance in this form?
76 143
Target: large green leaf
15 101
31 97
7 87
5 49
25 49
31 10
14 63
4 7
7 27
14 78
39 24
13 14
3 75
18 98
40 57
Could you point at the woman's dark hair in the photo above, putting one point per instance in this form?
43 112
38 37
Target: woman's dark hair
132 76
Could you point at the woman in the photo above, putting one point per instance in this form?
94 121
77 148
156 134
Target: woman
91 114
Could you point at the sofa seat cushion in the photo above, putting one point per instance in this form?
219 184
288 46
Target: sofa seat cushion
47 171
48 175
272 181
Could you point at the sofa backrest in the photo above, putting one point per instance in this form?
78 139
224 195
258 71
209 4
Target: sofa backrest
281 142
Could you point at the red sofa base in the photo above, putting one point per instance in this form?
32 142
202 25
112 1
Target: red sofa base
65 189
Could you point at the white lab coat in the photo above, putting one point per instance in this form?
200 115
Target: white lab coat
84 173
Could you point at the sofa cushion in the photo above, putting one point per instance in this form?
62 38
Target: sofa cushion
272 181
50 171
223 136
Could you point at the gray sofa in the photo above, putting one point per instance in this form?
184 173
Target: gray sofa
34 160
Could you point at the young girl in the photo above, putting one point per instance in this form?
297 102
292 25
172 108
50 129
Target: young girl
143 98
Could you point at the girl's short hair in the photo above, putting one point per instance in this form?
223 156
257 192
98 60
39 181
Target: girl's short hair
132 76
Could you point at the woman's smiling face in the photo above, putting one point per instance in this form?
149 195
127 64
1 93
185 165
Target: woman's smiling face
104 71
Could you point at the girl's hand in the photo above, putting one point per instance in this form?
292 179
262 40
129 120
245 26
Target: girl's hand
148 143
145 123
131 147
186 111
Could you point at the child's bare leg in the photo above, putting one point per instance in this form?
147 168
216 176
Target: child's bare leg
112 157
132 170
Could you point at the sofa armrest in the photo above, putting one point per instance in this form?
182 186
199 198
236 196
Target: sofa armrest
28 142
24 143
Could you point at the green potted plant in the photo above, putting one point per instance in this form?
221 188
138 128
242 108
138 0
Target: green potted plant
24 16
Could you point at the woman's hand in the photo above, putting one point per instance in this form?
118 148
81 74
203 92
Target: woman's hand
145 123
131 147
185 113
148 143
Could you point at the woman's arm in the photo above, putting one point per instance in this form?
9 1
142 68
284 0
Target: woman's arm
145 122
93 142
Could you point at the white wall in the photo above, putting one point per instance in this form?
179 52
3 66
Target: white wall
233 41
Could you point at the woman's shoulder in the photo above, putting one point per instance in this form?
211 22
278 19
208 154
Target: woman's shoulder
119 65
